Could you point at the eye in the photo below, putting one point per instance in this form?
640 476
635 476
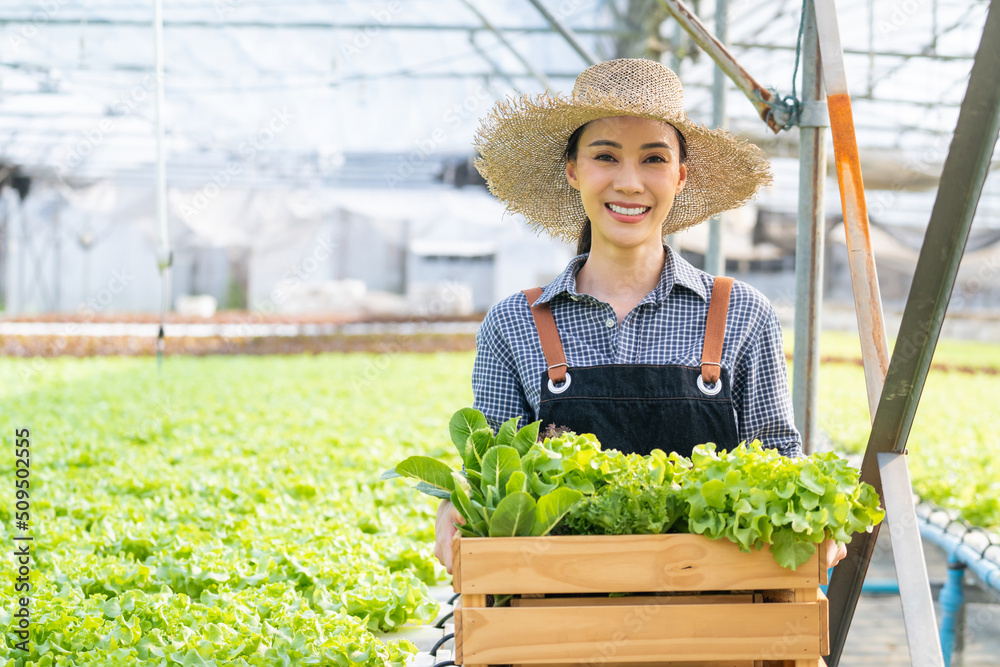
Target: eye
656 158
601 157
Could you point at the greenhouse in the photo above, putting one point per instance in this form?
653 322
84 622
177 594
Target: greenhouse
259 260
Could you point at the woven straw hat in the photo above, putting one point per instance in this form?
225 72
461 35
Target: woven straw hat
521 143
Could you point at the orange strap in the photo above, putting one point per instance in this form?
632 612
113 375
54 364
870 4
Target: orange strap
552 347
711 354
715 329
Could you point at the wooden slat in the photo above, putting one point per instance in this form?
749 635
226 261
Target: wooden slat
807 594
621 563
682 663
456 564
640 633
824 624
456 618
735 598
473 602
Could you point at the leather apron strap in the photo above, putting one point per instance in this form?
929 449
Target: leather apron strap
552 347
711 354
715 329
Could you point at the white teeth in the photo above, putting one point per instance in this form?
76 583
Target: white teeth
628 211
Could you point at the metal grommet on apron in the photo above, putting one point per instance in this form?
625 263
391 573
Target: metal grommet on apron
636 408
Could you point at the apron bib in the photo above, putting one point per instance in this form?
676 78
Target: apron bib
637 408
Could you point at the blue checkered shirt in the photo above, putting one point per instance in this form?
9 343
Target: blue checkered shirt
666 327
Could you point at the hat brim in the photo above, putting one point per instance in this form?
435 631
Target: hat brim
522 142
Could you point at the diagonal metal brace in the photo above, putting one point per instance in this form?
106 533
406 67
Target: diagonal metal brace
958 195
908 557
779 113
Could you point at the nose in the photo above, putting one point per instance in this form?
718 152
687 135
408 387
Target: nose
628 179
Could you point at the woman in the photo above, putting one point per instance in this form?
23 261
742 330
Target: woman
630 342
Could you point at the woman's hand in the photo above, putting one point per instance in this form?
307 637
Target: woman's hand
835 552
444 531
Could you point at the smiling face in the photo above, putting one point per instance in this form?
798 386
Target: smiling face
628 170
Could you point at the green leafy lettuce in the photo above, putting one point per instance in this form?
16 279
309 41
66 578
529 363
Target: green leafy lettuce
513 484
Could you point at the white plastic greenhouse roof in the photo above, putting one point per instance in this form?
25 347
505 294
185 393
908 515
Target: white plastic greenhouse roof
291 87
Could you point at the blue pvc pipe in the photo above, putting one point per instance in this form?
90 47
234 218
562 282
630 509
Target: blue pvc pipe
958 552
873 586
881 586
987 570
951 599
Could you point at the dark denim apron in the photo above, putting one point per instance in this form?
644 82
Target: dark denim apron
636 408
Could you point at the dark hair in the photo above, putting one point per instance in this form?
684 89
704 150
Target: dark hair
570 155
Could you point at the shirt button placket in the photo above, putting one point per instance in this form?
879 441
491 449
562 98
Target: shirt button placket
610 323
630 332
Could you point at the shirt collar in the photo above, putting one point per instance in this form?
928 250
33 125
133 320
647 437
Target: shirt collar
676 271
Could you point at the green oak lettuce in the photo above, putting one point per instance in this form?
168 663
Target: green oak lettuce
755 496
517 484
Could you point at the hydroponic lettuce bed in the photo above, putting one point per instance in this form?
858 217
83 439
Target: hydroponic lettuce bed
225 513
230 511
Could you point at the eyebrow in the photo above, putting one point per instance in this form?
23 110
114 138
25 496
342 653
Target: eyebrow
615 144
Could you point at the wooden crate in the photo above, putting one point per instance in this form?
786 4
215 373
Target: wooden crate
704 603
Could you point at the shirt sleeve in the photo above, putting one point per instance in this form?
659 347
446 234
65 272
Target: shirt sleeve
496 387
760 390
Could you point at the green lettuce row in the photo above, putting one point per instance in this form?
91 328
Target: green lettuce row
335 578
512 485
200 516
271 625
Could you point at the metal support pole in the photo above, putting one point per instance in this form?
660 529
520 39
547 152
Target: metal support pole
715 259
161 163
675 65
867 298
809 237
958 195
17 233
164 257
